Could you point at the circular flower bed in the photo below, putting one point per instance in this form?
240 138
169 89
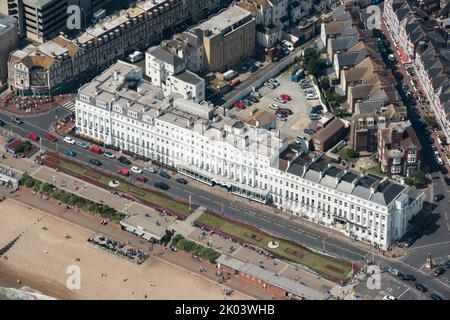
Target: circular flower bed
273 244
114 183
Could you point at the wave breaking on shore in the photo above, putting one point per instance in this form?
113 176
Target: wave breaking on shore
24 293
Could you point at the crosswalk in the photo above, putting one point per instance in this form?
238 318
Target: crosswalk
69 105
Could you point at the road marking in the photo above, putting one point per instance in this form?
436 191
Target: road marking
429 245
403 293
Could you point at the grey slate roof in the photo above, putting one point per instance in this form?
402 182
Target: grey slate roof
165 56
370 187
189 77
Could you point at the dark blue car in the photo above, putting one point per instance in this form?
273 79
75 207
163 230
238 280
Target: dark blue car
164 175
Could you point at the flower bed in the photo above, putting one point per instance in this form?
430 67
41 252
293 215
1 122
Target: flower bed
331 268
154 199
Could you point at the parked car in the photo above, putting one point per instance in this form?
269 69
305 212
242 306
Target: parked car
71 153
141 178
285 97
16 120
137 170
124 160
124 172
394 272
51 137
274 81
409 242
274 106
389 297
247 102
269 85
33 136
112 147
259 64
150 170
239 105
182 181
69 140
438 197
421 287
281 112
164 175
408 277
435 296
311 96
96 149
2 123
309 131
253 99
287 110
288 45
109 155
281 117
95 162
256 94
438 271
314 116
279 100
447 264
161 185
81 144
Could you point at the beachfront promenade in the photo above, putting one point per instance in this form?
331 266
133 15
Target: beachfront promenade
184 228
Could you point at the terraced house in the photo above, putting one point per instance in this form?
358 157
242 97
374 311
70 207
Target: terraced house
122 109
424 44
63 61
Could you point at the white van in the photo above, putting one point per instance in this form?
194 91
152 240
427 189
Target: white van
288 45
230 74
135 56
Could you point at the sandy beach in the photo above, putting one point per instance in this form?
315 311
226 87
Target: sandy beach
40 258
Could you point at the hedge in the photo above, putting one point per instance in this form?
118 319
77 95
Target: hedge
72 199
203 252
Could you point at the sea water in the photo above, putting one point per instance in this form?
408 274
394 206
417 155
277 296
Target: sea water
23 293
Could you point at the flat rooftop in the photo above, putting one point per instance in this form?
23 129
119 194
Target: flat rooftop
224 20
272 278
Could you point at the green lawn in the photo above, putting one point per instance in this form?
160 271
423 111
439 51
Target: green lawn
348 155
71 167
328 267
376 169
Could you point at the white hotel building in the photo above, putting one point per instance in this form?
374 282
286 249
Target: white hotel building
120 108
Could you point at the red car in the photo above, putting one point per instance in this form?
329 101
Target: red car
33 136
285 97
239 105
141 179
124 172
50 137
96 149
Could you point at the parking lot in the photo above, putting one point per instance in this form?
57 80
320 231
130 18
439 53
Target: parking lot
299 105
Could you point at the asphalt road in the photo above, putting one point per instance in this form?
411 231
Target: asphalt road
274 224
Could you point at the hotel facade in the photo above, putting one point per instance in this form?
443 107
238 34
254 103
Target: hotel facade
120 108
